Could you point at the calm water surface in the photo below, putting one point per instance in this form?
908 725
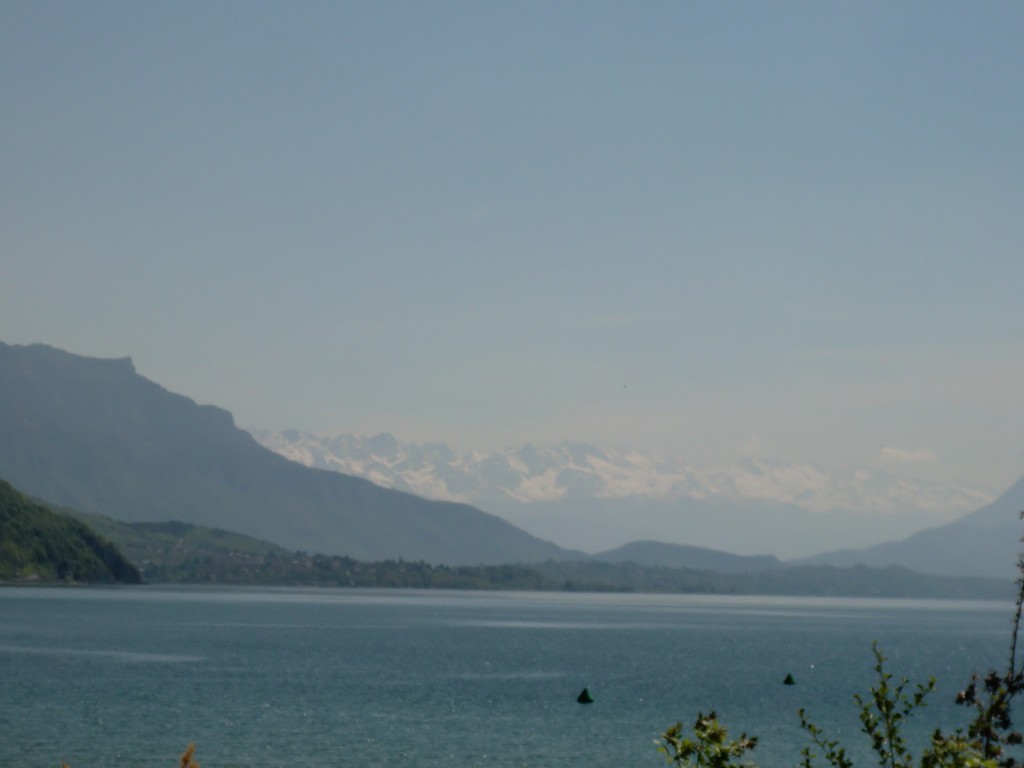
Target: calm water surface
307 677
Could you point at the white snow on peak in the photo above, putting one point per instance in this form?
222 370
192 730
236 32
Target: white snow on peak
578 471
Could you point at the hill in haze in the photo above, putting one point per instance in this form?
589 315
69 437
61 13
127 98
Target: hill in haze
38 544
96 436
660 554
175 552
983 543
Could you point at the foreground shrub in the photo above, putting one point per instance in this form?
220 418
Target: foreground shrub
710 746
983 743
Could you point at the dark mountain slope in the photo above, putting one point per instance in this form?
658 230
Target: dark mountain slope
39 544
94 435
983 543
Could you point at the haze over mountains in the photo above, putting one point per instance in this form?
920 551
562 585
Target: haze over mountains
96 436
592 498
599 499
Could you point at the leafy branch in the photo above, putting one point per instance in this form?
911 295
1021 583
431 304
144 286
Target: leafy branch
710 747
883 712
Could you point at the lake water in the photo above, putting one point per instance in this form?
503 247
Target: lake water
317 677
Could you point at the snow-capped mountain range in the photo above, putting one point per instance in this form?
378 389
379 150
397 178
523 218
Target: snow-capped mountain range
575 472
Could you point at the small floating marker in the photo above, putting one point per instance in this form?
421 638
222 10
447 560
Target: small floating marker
585 697
789 680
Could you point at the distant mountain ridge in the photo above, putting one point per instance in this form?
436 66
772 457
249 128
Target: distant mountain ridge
94 435
175 552
583 496
984 543
567 470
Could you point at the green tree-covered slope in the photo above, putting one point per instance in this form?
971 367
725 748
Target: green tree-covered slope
38 544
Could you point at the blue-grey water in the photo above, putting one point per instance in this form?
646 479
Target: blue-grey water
330 677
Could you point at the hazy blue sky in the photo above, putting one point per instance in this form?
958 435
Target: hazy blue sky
792 229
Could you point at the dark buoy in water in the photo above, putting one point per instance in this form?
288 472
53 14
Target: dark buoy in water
789 680
585 697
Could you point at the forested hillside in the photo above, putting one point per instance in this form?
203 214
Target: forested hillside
38 544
